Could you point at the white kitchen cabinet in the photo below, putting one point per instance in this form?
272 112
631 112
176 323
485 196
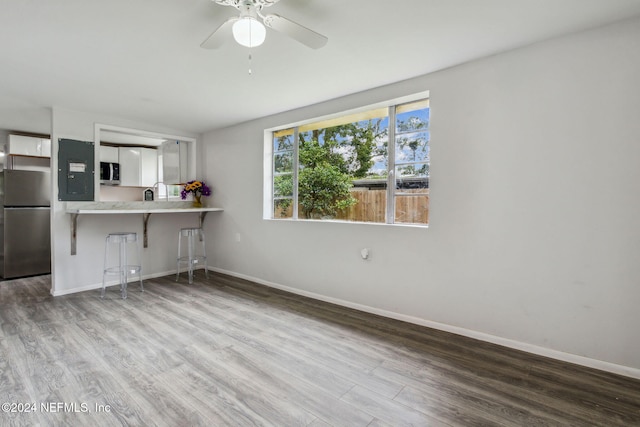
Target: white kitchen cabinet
22 145
138 166
109 154
149 167
129 166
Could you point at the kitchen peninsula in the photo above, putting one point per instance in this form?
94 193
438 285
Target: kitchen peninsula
75 209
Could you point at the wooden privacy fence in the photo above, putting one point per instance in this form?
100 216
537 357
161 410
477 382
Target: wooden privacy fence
372 205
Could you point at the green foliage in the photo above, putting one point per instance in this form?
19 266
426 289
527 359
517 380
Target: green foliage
284 142
283 187
330 159
413 123
283 162
323 190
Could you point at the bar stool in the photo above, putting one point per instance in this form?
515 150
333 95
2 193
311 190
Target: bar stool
191 258
122 244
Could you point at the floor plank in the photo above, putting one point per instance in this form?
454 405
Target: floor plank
226 351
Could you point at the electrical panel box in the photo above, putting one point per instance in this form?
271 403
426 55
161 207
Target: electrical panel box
76 170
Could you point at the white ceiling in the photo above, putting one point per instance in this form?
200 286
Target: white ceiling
141 59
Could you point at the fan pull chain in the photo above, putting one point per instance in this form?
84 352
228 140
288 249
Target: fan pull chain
250 38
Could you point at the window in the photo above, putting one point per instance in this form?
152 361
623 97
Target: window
371 166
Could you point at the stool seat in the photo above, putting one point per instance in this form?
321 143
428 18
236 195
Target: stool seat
121 245
192 258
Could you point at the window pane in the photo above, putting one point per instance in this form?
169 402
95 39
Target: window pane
334 161
412 177
282 208
174 190
283 162
412 209
412 117
283 185
412 147
283 141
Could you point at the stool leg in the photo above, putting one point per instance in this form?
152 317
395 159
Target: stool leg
124 272
140 262
204 254
190 242
179 254
103 284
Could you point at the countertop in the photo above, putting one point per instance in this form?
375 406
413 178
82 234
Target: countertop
135 207
75 209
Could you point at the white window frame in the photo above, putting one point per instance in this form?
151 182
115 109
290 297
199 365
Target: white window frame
268 194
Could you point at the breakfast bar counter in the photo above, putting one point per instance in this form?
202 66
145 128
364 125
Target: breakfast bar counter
75 209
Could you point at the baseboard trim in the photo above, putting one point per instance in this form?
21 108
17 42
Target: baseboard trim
109 283
505 342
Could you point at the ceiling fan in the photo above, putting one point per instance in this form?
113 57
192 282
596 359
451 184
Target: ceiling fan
249 31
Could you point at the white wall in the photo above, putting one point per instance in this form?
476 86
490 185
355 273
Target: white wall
534 238
73 273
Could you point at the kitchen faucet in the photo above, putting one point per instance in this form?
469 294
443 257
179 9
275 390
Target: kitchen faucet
166 189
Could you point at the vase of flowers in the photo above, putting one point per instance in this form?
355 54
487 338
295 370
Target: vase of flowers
198 189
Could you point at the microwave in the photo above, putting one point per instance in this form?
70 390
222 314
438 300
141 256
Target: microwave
109 173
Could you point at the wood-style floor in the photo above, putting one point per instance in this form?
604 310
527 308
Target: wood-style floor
226 352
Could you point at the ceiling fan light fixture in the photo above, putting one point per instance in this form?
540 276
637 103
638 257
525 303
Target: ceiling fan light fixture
249 32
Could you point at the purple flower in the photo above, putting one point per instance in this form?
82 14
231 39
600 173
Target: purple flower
195 187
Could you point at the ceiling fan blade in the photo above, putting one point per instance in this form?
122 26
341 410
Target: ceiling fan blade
295 31
219 36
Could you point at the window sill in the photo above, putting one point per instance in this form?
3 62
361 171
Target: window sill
338 221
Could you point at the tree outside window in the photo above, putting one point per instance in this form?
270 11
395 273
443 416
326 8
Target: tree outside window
341 168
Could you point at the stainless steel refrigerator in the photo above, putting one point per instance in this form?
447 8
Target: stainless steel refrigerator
25 223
